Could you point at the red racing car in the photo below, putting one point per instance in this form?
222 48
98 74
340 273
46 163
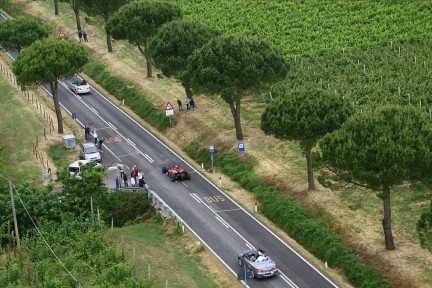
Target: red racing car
176 173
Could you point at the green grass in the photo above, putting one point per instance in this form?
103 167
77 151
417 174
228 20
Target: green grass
19 128
60 155
164 251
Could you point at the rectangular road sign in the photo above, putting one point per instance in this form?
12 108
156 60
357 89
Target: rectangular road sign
241 147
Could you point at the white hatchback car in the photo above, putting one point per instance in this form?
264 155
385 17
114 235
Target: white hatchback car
80 87
75 168
90 152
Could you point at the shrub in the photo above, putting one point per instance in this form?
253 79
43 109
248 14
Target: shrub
125 207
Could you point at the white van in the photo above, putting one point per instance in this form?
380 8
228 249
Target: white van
75 168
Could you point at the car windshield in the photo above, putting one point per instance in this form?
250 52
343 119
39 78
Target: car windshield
90 149
73 169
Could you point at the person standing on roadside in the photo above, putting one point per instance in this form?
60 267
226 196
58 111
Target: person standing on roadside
187 103
132 181
101 140
95 137
80 35
87 131
140 178
180 105
84 33
192 105
135 172
125 180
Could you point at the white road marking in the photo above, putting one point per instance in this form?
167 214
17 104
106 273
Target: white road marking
287 280
222 221
148 158
249 246
130 141
195 197
112 126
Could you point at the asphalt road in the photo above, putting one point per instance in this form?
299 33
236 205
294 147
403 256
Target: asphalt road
222 225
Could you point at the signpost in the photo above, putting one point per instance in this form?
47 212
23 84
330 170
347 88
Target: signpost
169 111
211 155
242 149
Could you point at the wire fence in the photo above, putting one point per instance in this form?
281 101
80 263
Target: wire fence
37 105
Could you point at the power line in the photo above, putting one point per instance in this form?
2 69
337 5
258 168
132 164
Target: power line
40 233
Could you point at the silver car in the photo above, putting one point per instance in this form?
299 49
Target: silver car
90 152
259 263
80 87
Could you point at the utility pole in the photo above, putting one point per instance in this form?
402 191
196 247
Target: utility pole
14 215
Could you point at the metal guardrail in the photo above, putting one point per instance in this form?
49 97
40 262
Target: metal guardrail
164 209
161 206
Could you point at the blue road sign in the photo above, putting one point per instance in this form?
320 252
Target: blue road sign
211 149
241 147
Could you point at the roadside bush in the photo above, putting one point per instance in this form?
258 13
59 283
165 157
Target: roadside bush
125 207
198 153
120 88
424 229
11 8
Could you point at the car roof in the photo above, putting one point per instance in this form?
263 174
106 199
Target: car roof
88 145
78 162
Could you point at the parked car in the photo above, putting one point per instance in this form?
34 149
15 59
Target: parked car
75 168
90 152
176 173
80 87
259 263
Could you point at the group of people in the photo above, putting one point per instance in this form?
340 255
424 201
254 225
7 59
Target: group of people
97 141
190 104
136 177
82 35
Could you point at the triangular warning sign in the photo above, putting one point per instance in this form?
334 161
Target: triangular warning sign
169 106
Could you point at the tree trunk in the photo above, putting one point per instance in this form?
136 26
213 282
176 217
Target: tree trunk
56 10
235 111
148 60
109 44
149 66
54 92
386 222
77 16
310 172
188 91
